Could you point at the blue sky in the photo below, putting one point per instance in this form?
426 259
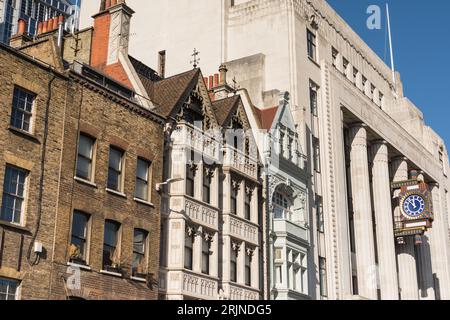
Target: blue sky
421 36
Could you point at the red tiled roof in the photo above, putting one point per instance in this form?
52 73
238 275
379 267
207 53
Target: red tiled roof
266 117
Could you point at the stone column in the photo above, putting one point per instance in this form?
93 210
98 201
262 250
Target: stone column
425 271
362 207
439 246
387 264
409 289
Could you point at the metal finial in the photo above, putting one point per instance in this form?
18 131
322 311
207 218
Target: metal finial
196 60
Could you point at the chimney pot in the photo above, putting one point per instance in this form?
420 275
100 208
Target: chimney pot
22 27
216 80
39 28
223 74
107 4
45 26
211 82
113 3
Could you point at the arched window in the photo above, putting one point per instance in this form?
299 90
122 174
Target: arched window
282 206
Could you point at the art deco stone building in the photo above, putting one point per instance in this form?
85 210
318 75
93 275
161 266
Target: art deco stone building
81 154
358 129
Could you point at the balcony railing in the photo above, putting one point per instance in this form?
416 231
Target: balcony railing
241 162
201 213
188 284
198 286
241 229
197 139
237 292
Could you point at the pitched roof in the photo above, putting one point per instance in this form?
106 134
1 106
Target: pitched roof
168 93
224 107
266 116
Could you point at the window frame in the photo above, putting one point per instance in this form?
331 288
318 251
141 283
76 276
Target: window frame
86 248
206 186
248 205
234 262
248 270
10 281
91 161
311 39
15 108
116 247
190 248
234 194
323 281
120 172
147 182
22 198
190 180
143 255
206 255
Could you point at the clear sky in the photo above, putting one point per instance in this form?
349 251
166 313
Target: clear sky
421 39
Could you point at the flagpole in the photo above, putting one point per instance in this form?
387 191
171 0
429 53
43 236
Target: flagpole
390 47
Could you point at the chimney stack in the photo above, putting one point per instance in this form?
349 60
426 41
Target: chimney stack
21 37
218 84
111 32
223 74
22 27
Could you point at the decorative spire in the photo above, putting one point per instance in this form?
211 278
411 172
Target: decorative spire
196 60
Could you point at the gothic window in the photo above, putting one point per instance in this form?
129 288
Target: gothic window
282 206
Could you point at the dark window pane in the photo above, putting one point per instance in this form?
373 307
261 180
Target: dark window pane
22 109
13 194
85 157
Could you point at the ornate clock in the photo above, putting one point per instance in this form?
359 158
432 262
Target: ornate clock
414 206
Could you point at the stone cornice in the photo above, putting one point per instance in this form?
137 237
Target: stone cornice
387 128
329 24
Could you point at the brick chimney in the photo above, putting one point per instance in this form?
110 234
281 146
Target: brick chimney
111 38
218 85
21 38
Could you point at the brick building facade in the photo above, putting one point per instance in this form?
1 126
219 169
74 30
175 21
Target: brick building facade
81 154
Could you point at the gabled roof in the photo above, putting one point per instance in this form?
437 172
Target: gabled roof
224 108
168 93
266 117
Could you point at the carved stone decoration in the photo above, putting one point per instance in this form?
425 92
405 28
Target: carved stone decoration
250 252
191 231
208 237
249 188
235 247
192 166
210 171
236 184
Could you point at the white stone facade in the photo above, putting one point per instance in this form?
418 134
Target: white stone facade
363 135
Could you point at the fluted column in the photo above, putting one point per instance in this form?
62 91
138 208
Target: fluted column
387 264
439 246
362 207
406 258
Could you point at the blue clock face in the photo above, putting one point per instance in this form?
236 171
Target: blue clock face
414 206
